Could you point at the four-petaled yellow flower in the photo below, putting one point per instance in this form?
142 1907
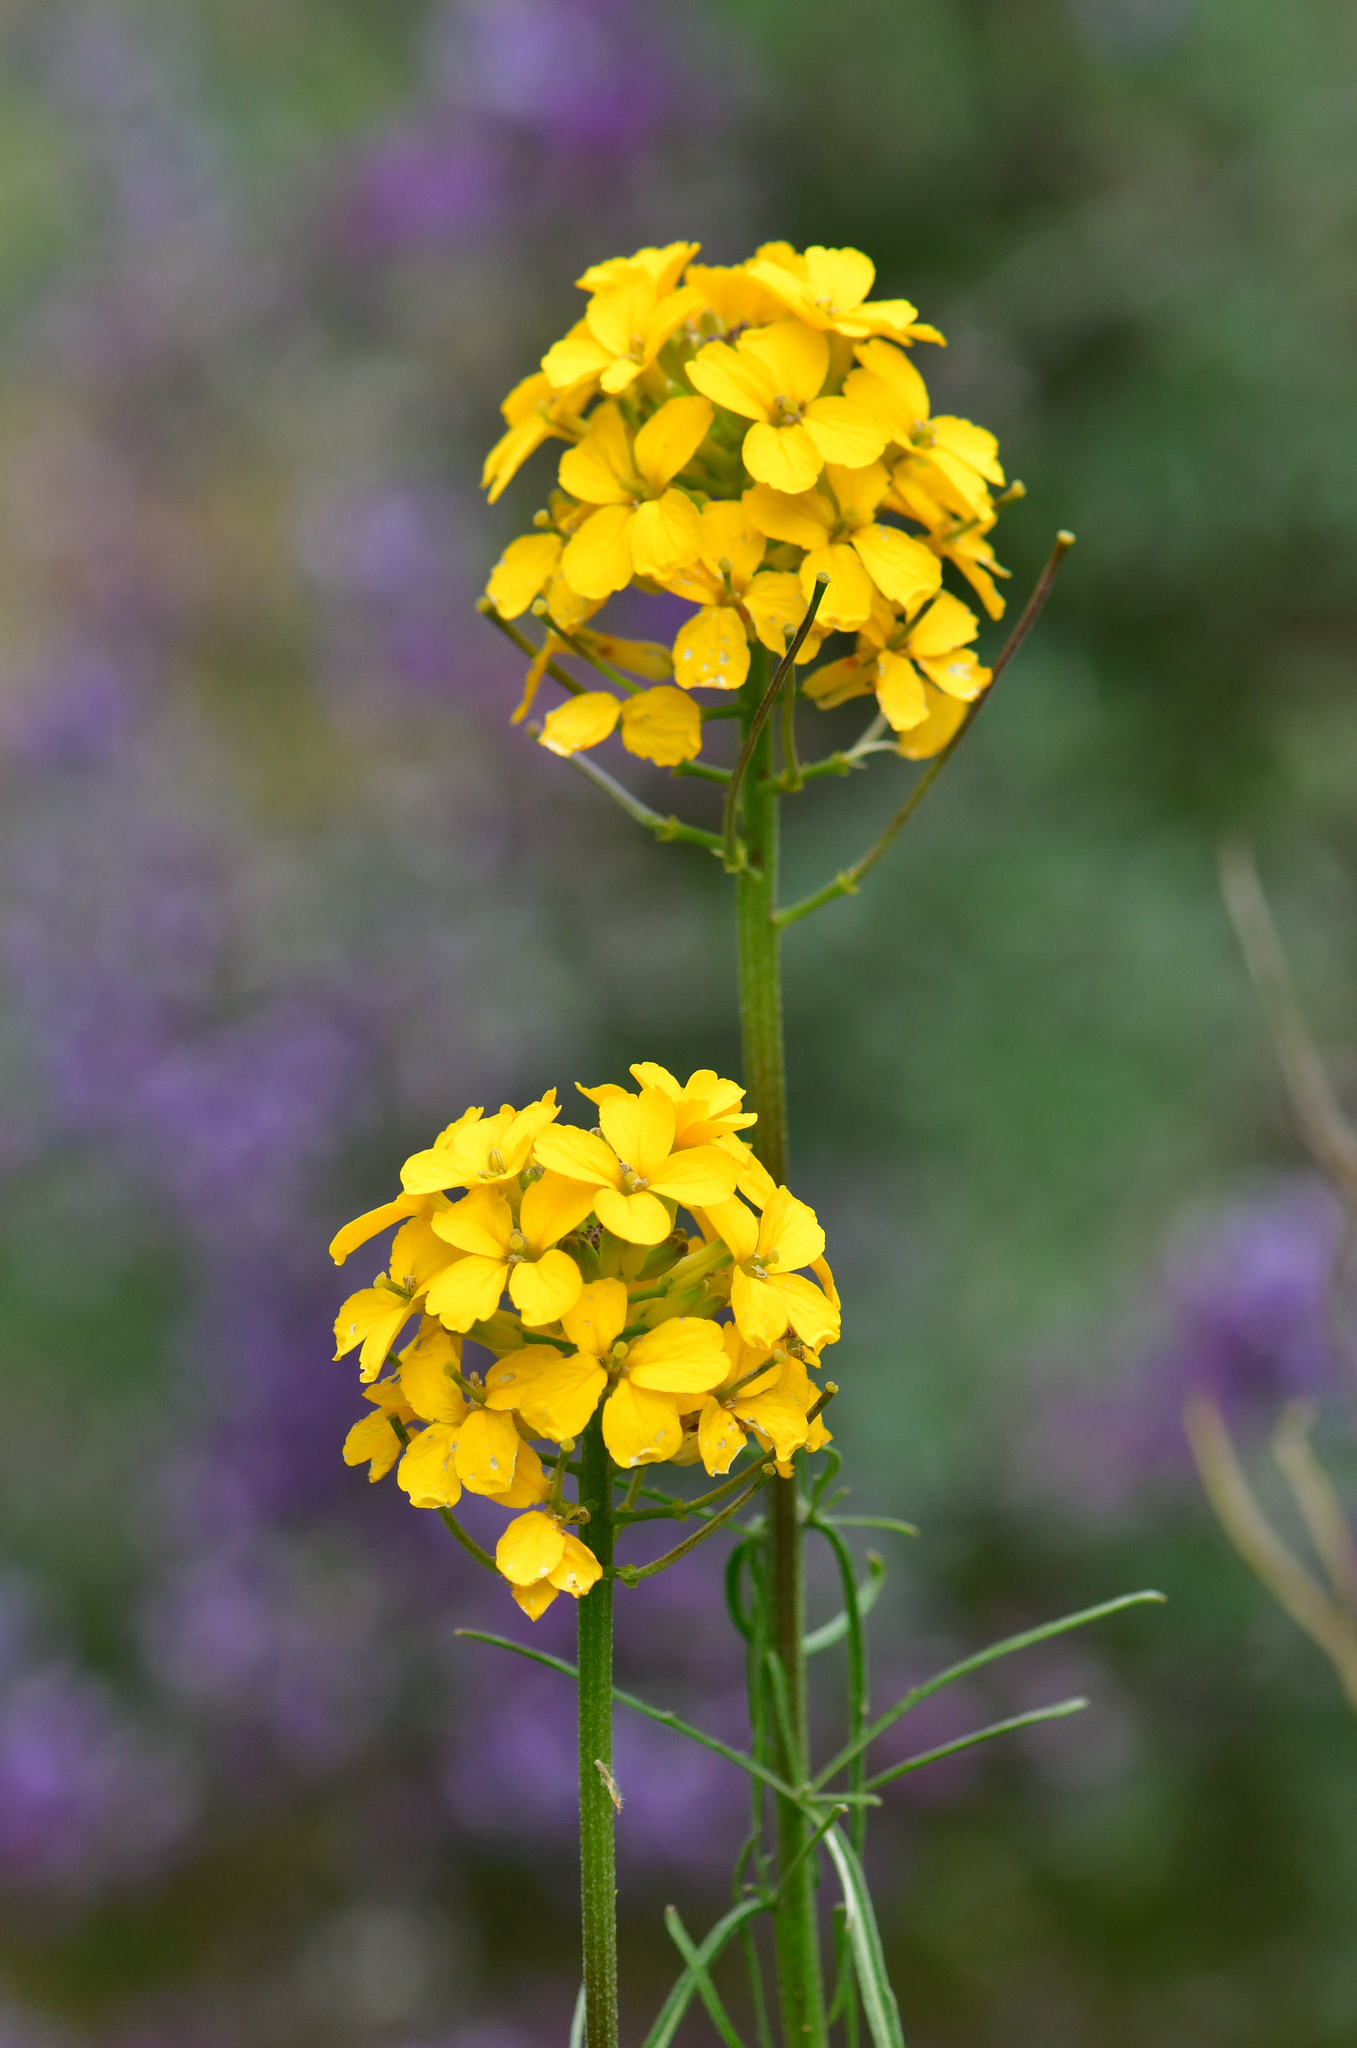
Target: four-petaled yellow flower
773 1403
767 1292
514 1251
837 526
642 528
712 650
914 669
954 460
633 1163
480 1150
828 288
625 327
707 1111
660 725
541 1558
534 413
775 376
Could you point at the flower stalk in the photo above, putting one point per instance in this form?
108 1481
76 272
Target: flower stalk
598 1878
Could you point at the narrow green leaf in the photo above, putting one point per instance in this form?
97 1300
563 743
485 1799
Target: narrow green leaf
872 1522
706 1990
869 1965
969 1664
577 2023
869 1592
931 1756
677 2003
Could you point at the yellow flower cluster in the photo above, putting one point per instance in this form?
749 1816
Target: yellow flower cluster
610 1300
733 433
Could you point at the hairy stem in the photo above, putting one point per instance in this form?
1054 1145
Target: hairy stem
598 1883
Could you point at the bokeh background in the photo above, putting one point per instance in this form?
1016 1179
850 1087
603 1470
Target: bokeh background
281 893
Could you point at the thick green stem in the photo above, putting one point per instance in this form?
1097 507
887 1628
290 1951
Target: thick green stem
598 1881
800 1984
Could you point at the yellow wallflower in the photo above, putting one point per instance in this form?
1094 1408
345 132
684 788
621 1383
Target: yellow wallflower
373 1442
480 1150
733 297
836 525
952 539
661 267
463 1444
773 1404
707 1111
371 1320
828 288
660 725
635 1162
535 413
625 327
774 376
767 1293
540 1558
712 650
514 1251
952 458
642 528
900 663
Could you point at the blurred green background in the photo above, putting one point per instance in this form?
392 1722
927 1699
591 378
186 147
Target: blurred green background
282 892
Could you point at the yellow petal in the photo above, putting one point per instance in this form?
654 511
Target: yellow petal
736 1227
552 1206
683 1356
426 1471
638 1219
640 1128
663 726
806 520
482 1222
487 1451
699 1173
425 1368
720 1438
795 357
712 651
581 721
530 1548
416 1255
468 1292
900 691
838 682
759 1309
839 278
644 658
373 1442
669 440
598 470
753 1180
510 1381
373 1319
974 445
578 1569
597 560
574 359
640 1428
599 1316
367 1225
563 1395
577 1154
535 1600
522 571
897 374
738 383
775 604
947 623
900 566
945 718
731 535
663 267
785 457
543 1289
777 1418
844 432
665 535
848 600
959 674
530 1483
792 1230
814 1319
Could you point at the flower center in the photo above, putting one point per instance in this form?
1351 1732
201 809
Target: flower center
518 1247
787 410
494 1164
633 1183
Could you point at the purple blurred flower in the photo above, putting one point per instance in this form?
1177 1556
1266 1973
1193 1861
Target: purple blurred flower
1249 1308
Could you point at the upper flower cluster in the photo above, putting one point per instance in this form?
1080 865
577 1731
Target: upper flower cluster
735 433
610 1300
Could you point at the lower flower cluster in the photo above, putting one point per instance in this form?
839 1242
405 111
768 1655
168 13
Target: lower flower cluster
561 1254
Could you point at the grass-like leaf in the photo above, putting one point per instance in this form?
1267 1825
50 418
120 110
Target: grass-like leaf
878 2000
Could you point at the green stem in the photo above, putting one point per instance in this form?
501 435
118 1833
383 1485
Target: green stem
796 1935
598 1881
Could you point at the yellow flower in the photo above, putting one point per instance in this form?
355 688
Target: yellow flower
371 1222
463 1444
652 1377
480 1150
773 1404
661 267
767 1293
707 1111
842 538
625 327
660 725
712 650
959 541
953 459
503 1251
829 287
373 1442
734 297
773 376
641 527
371 1320
535 413
540 1559
637 1165
529 567
902 662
